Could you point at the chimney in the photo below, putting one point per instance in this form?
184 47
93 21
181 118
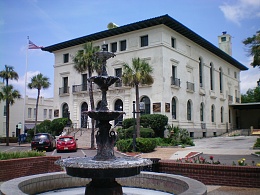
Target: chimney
224 43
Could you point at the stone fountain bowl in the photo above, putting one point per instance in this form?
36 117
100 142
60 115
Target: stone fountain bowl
86 167
104 115
104 81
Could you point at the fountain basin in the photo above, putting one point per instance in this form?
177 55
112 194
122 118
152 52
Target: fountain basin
86 167
34 184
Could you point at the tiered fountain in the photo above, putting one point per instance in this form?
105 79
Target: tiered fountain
104 167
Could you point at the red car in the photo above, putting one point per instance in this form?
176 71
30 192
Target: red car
66 143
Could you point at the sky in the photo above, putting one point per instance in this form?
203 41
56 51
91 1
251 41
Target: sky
47 22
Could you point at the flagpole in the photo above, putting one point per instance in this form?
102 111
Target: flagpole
25 80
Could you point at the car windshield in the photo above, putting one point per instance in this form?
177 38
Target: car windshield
40 137
65 139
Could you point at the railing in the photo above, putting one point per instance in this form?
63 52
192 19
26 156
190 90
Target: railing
79 88
175 81
237 100
190 86
64 90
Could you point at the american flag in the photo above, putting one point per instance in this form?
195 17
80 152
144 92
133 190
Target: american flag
33 46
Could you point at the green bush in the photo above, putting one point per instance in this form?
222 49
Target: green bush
257 143
57 125
128 133
44 127
20 154
128 123
157 122
142 145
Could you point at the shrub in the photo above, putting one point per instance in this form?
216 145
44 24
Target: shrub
155 121
128 123
128 133
20 154
57 125
142 145
257 143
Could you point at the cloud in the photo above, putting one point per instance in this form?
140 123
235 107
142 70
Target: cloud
20 86
242 9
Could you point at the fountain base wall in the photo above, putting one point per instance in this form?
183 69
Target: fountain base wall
157 181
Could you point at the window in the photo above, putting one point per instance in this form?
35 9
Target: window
123 45
201 112
174 109
213 113
50 113
105 47
65 111
29 112
84 116
44 113
65 58
220 80
147 105
113 47
200 72
223 39
34 113
173 41
222 114
65 84
188 110
211 77
235 75
144 41
118 73
4 110
84 82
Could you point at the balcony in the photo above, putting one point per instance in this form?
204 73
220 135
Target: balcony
230 98
175 81
237 100
190 86
64 91
79 88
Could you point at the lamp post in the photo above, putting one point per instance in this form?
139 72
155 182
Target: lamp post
134 130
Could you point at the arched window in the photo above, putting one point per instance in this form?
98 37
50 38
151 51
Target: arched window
189 110
65 110
211 77
84 116
174 114
201 112
220 80
212 113
147 104
119 107
222 114
200 72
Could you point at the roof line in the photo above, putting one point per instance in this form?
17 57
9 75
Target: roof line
165 20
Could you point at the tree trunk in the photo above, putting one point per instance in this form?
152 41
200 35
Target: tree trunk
36 114
137 111
7 122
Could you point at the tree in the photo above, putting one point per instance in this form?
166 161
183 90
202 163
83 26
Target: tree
253 44
8 94
252 95
137 74
6 74
38 82
85 60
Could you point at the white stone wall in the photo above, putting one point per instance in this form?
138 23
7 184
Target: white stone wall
161 56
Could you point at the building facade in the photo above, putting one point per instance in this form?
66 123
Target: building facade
25 121
194 81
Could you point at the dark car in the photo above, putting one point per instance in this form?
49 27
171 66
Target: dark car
43 141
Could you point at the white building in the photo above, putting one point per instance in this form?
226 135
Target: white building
194 81
45 112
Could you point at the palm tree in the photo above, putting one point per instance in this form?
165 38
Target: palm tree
85 60
9 95
6 74
38 82
138 74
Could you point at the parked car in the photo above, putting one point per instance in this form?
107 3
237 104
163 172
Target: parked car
43 141
66 143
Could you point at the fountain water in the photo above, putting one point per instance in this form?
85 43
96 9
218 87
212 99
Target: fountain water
104 168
